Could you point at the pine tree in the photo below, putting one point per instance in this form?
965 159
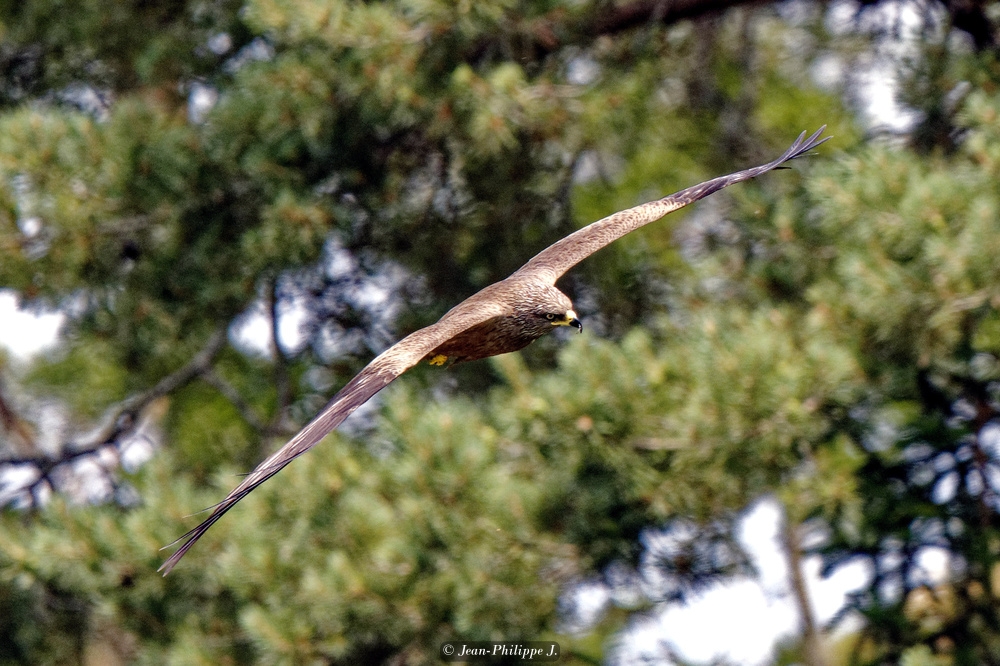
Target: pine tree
825 336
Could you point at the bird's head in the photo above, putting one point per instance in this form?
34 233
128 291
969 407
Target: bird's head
541 307
567 318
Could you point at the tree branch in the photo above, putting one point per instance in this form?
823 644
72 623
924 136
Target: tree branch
124 420
792 545
230 393
545 35
11 422
281 383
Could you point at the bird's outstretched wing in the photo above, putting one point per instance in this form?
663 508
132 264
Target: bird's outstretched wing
549 264
377 375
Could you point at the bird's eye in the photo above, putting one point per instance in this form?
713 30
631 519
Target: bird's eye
550 316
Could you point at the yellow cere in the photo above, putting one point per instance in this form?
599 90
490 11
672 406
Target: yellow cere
567 318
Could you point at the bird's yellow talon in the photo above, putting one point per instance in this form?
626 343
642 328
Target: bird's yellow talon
440 359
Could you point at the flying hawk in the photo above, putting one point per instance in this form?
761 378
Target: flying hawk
504 317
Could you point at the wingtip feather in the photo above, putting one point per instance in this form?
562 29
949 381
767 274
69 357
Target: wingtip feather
801 146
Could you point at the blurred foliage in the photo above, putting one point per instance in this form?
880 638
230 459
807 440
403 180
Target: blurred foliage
828 335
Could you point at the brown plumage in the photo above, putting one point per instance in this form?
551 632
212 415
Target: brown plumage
503 317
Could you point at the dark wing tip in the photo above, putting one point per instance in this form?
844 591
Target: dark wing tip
802 146
367 383
189 540
263 473
172 561
191 537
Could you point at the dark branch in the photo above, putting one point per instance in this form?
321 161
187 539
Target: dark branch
12 423
123 421
545 35
281 381
230 393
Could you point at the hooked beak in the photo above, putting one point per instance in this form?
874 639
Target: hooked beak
571 320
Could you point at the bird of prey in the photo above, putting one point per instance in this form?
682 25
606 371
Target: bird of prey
504 317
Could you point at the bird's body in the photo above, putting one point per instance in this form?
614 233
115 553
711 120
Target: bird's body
527 310
504 317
